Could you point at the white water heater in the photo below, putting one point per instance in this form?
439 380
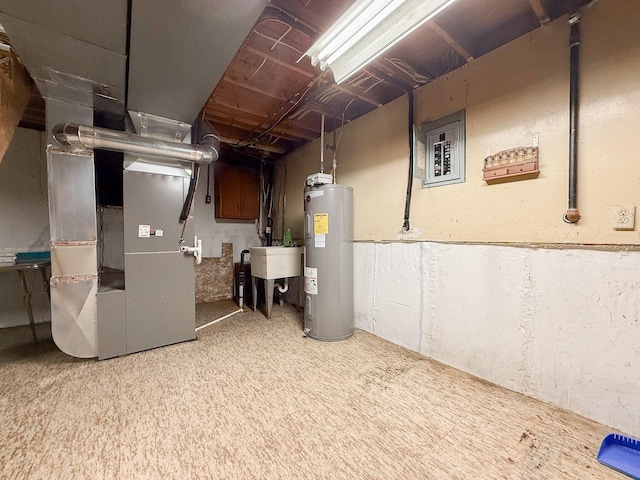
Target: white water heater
328 272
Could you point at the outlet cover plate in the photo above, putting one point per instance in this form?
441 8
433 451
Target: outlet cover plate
624 217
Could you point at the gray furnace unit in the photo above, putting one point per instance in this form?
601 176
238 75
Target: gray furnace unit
328 272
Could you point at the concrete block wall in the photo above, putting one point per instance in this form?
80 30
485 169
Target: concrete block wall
560 325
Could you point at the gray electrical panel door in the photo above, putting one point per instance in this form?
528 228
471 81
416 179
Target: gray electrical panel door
159 279
328 282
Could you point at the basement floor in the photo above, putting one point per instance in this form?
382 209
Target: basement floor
251 398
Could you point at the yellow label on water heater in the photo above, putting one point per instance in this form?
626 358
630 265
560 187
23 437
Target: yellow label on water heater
321 223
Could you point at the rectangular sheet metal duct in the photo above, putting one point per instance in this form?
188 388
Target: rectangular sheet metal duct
180 49
157 57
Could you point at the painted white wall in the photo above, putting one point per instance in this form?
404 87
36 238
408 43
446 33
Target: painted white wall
24 222
560 325
241 233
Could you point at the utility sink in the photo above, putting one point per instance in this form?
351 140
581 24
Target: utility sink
271 263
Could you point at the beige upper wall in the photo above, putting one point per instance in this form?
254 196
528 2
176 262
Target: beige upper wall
511 94
372 157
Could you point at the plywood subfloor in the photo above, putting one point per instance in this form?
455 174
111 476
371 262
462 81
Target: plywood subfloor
251 398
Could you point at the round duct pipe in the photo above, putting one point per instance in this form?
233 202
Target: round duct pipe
82 136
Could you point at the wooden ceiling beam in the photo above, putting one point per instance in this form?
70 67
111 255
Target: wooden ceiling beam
277 61
235 137
254 120
323 108
248 128
246 86
442 33
540 11
232 142
233 112
360 96
298 11
389 74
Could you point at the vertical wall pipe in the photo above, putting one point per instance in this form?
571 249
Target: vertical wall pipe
407 205
322 145
572 215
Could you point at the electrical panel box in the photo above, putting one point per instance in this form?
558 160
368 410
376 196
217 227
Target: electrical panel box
439 149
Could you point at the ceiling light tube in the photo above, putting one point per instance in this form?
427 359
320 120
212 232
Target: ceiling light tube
348 39
367 29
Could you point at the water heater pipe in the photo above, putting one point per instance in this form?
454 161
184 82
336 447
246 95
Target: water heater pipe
82 136
334 167
322 145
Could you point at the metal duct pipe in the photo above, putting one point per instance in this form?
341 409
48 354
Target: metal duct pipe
572 215
207 136
82 136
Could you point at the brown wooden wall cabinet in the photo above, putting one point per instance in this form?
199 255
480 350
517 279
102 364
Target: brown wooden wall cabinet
236 192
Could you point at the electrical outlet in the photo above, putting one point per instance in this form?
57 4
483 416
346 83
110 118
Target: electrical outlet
624 217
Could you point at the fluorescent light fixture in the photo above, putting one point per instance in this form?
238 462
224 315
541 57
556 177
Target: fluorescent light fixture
368 28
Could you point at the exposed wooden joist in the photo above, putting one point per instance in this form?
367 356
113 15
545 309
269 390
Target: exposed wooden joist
277 41
383 71
463 52
323 108
299 20
362 96
248 128
281 130
298 132
240 134
233 113
284 49
302 14
232 142
246 86
352 91
277 61
539 10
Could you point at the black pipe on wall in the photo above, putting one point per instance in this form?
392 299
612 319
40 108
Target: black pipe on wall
407 205
572 215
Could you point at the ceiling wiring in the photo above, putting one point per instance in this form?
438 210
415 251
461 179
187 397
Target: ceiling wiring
408 70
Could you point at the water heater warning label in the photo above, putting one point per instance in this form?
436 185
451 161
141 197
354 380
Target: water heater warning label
321 223
311 280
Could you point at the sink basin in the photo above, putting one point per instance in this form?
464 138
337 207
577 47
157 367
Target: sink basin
275 262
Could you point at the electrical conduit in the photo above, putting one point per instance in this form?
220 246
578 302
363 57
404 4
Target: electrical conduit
572 215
